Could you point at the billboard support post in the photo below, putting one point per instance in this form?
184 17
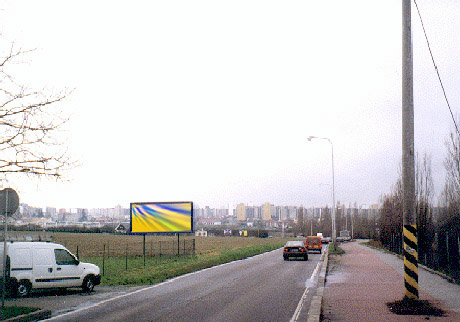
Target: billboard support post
178 244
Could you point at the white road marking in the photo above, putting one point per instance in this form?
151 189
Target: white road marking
309 283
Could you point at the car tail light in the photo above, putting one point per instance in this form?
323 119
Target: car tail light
286 250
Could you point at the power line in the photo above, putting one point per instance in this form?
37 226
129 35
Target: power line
436 68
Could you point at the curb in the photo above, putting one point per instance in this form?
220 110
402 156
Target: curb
448 278
314 313
30 317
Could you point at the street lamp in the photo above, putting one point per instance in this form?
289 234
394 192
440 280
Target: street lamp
334 231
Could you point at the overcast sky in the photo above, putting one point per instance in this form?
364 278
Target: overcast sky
213 101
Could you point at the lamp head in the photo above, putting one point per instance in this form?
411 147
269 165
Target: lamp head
310 138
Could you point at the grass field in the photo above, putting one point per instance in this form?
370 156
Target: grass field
121 259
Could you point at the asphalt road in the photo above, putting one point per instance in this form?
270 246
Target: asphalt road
260 288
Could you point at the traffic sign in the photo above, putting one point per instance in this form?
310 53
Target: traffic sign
9 201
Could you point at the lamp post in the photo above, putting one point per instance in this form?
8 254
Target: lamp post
334 231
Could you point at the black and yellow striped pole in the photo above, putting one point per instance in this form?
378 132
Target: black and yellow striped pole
408 160
410 261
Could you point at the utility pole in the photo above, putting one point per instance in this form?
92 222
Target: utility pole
408 163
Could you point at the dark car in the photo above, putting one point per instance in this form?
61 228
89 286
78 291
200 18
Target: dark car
295 249
326 240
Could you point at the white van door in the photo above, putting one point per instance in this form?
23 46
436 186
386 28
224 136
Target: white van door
68 271
43 268
21 263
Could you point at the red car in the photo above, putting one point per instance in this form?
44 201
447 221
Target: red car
313 243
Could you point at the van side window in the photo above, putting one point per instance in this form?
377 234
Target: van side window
63 257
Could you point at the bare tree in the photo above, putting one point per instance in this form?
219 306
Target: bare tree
391 220
300 227
450 196
30 124
424 189
449 218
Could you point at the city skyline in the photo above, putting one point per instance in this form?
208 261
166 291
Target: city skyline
120 209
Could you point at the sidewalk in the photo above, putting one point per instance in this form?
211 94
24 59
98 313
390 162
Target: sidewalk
360 283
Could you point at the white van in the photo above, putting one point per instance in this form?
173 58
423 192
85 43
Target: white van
38 265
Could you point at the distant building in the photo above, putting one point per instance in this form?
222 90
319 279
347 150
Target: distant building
268 211
241 212
27 211
250 212
287 213
51 212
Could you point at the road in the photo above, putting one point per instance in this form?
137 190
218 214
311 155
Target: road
260 288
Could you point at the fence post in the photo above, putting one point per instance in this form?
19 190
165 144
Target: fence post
393 242
178 245
458 250
400 244
447 247
103 261
144 250
193 246
77 252
126 258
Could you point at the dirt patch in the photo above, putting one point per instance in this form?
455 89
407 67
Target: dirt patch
414 307
333 263
373 243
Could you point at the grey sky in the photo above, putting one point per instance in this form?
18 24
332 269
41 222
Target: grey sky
212 101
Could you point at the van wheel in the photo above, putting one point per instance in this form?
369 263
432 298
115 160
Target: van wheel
88 284
24 288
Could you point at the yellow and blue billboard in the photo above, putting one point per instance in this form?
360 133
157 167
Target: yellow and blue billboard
162 217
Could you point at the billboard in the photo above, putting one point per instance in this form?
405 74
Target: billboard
162 217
